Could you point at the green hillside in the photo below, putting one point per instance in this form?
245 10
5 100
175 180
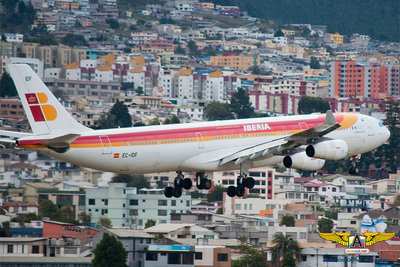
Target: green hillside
377 18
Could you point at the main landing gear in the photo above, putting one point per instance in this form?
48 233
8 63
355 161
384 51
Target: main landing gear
353 170
242 181
202 182
179 183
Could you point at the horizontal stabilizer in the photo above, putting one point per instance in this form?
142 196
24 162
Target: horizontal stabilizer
12 134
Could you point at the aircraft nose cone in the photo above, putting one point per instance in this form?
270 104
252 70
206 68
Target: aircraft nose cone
386 134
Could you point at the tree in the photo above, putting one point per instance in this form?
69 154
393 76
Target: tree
74 40
216 194
121 113
397 200
333 211
325 225
106 121
279 33
85 218
172 120
240 105
286 247
139 91
137 180
288 260
114 24
309 104
388 155
251 256
105 222
109 252
193 49
217 111
28 217
7 87
179 50
48 209
149 223
67 215
314 64
287 220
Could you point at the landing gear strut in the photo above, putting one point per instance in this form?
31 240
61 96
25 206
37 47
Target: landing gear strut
242 181
179 183
353 170
202 182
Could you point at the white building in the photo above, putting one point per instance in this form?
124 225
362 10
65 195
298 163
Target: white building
129 207
183 84
214 90
143 37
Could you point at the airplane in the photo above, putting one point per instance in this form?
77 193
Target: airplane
300 141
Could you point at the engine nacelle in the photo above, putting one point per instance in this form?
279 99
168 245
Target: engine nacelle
330 150
303 162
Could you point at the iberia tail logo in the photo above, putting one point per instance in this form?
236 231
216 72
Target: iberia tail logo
41 111
357 243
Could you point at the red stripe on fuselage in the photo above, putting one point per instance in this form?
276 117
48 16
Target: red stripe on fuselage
192 132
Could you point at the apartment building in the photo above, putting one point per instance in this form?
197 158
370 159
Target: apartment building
214 90
129 207
235 62
364 79
183 84
11 109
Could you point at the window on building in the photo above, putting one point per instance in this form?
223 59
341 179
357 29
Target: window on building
10 248
152 256
303 257
187 258
198 255
222 257
35 249
92 201
133 202
162 202
174 258
133 212
173 202
162 213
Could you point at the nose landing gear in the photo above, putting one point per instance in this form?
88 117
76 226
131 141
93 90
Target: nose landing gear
202 181
242 181
353 170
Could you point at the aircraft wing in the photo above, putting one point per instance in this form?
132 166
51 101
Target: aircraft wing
277 146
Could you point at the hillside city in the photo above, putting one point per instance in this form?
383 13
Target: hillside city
183 61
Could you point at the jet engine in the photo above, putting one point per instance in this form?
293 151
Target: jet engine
330 150
301 161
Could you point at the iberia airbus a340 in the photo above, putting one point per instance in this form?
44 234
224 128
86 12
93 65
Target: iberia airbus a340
302 142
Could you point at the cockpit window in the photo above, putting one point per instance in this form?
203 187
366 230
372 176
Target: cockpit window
381 124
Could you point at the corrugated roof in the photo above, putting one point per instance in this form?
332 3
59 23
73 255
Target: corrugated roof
167 227
104 68
129 233
138 60
73 65
108 58
184 72
215 74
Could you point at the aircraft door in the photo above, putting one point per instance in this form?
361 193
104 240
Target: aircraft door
303 125
200 140
106 145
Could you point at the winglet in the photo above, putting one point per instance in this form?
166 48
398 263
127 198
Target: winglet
330 119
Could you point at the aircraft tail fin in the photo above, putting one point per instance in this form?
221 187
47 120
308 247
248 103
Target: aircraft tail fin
45 113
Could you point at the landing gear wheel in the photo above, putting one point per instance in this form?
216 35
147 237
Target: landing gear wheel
354 170
231 191
240 190
249 182
187 183
169 191
177 192
207 184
